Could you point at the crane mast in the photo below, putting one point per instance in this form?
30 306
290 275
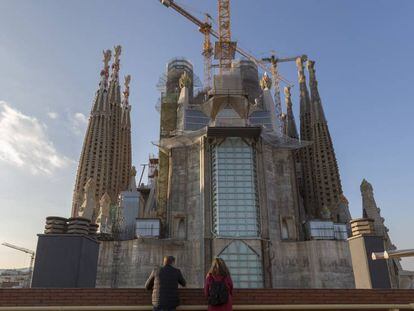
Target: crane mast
207 52
229 47
224 48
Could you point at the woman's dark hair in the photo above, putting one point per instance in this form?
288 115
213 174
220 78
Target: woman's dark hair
218 267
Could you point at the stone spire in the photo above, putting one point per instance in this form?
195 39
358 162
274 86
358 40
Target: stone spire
290 124
126 152
101 103
94 159
316 105
106 152
327 182
306 184
105 71
269 104
132 186
305 106
370 210
115 144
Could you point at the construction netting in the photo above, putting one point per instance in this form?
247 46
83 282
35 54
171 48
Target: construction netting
188 138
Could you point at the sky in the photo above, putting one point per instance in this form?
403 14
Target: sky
50 59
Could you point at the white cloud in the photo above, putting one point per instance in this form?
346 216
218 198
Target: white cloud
52 115
79 122
24 143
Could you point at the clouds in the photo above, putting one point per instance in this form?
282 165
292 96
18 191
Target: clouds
24 143
52 115
78 123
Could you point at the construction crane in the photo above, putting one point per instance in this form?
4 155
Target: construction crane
207 51
273 60
224 49
27 251
206 29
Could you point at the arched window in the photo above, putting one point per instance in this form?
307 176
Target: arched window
285 230
245 265
181 229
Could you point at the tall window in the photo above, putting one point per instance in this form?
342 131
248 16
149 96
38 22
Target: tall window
235 203
244 264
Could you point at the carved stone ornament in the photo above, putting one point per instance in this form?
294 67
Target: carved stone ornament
265 82
106 58
185 80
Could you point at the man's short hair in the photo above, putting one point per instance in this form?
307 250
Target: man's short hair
169 260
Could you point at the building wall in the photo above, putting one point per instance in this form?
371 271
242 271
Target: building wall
287 261
129 263
312 264
296 263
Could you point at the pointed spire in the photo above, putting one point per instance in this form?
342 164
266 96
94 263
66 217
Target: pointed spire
132 182
304 93
366 186
114 93
290 128
100 102
126 107
105 70
124 147
127 81
269 104
370 209
115 65
317 110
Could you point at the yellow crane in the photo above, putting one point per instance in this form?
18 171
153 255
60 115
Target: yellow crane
224 48
27 251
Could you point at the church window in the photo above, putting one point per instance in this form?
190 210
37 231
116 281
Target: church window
285 230
235 202
245 265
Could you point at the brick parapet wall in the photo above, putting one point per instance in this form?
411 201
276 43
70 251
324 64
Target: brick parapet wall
134 297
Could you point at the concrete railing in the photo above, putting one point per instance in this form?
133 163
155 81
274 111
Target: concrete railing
107 299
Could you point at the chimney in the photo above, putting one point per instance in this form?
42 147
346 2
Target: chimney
367 272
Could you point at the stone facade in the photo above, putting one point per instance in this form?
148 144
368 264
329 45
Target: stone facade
229 185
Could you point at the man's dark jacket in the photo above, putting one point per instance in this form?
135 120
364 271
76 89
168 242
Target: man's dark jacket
164 284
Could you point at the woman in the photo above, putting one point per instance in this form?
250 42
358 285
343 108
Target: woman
218 287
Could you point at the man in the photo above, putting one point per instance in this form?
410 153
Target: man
164 285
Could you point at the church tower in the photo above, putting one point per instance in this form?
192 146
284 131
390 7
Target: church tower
321 184
114 99
126 153
306 153
106 148
327 185
372 211
290 124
